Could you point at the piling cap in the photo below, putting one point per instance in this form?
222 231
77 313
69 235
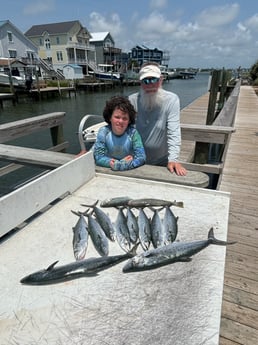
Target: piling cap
149 71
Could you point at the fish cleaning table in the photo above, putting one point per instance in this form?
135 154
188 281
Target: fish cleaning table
175 304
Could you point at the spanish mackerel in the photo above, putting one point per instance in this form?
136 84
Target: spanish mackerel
97 235
120 201
144 230
80 237
151 202
122 231
170 227
103 220
169 254
157 233
77 269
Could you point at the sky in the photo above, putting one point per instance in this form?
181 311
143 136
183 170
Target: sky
197 34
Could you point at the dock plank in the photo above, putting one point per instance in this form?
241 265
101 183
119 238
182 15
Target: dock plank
240 177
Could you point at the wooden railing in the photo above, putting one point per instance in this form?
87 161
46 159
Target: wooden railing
43 158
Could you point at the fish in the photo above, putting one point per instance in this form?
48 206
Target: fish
103 220
115 202
80 237
144 230
98 236
170 227
171 253
132 225
77 269
156 227
122 231
152 202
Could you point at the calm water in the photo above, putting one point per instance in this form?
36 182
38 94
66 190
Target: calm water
75 108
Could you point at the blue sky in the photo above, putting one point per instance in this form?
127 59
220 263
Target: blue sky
199 33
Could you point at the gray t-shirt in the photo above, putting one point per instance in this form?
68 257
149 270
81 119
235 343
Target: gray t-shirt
159 128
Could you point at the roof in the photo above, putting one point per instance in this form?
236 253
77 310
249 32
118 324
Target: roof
10 61
52 28
99 36
3 22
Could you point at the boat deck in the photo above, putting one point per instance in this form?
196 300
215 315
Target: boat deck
169 305
239 321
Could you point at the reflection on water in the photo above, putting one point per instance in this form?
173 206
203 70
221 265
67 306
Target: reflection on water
75 108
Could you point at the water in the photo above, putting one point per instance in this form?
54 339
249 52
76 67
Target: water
75 108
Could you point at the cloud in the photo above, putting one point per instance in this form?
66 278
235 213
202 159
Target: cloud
37 7
218 16
112 24
252 22
155 26
158 4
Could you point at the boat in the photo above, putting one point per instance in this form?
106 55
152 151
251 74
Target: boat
105 72
16 81
187 74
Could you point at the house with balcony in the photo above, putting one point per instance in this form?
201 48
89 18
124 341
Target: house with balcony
17 52
106 52
62 44
141 54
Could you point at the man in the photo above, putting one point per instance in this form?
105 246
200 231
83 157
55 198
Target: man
158 120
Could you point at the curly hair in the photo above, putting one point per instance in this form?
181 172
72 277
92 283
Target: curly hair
122 103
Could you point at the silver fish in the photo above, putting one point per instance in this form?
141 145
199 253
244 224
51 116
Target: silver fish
144 230
115 202
157 234
103 220
80 237
97 235
151 202
122 231
77 269
132 225
170 227
174 252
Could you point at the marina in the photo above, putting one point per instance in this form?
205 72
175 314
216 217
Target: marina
227 299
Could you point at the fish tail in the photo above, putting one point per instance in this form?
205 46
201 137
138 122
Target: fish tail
91 206
77 213
213 240
178 204
133 251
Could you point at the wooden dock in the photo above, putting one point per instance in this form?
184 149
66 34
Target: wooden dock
239 319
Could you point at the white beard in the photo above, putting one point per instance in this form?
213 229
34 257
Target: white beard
151 100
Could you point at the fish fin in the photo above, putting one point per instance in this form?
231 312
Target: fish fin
178 203
213 240
50 267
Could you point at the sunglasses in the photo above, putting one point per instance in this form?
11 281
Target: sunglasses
148 81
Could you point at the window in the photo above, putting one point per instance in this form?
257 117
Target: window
12 53
10 36
59 56
47 43
40 42
57 40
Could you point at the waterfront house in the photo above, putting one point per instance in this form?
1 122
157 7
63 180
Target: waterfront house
106 52
141 54
17 52
60 44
